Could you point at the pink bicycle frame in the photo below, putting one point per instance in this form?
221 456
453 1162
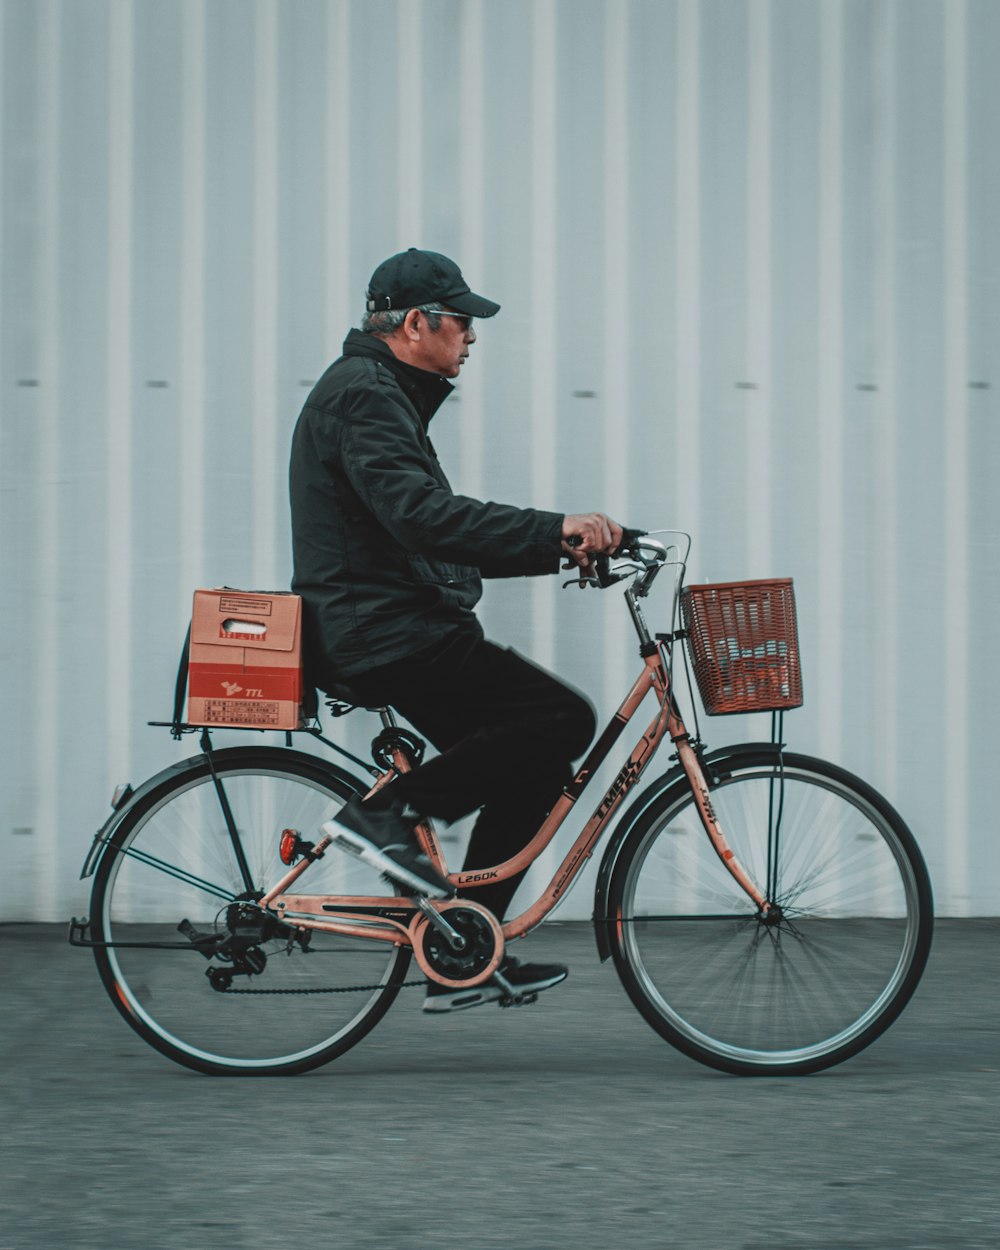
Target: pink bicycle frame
331 913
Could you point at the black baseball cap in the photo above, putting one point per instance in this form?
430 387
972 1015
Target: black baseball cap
416 277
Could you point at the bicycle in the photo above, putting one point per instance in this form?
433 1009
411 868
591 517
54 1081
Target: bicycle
767 912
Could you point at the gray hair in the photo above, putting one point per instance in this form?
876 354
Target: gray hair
385 323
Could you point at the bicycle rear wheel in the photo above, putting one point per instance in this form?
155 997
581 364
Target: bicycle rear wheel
163 895
840 954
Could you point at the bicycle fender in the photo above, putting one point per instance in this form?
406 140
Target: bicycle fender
630 818
167 778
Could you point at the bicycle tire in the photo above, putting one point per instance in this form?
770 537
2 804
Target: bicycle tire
795 995
171 859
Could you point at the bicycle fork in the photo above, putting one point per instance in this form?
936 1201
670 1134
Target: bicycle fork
689 761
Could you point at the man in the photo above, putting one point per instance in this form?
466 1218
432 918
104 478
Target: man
388 561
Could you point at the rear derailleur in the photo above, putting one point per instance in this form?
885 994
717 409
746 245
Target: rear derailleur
238 944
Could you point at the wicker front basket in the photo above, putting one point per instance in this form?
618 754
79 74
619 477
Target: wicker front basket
744 645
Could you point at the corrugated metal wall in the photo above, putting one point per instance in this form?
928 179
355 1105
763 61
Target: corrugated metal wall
749 265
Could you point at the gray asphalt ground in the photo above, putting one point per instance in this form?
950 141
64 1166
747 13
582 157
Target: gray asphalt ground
565 1124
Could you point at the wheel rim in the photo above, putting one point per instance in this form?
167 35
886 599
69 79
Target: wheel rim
175 863
793 993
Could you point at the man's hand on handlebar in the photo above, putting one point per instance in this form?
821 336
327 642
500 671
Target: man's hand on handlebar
586 535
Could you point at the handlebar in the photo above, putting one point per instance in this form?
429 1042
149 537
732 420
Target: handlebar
629 545
629 538
641 558
647 556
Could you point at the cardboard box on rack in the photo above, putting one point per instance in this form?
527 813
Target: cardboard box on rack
245 667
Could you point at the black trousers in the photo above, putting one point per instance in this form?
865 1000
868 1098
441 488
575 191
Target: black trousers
507 733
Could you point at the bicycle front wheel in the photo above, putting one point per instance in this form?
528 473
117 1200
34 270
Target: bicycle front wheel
164 897
820 976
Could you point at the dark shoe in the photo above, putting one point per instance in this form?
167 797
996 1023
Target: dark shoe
524 980
385 838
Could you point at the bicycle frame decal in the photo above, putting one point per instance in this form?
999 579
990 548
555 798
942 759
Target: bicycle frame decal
596 755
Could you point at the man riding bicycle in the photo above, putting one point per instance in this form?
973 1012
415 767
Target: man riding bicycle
389 562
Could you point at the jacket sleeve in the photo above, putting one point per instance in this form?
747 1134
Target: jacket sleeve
390 465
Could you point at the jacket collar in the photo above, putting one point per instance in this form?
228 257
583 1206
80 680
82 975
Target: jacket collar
426 391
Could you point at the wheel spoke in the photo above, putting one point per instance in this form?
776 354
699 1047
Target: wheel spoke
172 870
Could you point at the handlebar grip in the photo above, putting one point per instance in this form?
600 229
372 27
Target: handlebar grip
602 574
629 536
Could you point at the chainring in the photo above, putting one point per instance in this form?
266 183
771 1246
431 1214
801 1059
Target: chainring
481 955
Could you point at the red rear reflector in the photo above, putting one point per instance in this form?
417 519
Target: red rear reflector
288 848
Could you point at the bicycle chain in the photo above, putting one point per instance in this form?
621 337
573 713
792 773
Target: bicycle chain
338 989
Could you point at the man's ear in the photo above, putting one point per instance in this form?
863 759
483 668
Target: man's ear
411 325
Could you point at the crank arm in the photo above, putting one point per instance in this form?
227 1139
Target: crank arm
437 921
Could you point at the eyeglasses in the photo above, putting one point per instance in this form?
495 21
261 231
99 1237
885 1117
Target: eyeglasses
465 318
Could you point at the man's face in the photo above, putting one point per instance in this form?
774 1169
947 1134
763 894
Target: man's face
444 351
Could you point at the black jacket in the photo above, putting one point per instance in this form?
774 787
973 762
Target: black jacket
386 557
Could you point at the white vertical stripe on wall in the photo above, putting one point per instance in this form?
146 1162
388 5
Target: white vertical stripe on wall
191 338
541 294
618 662
544 304
687 291
340 302
884 438
830 376
793 195
956 448
119 493
3 218
47 603
760 399
266 483
470 193
410 113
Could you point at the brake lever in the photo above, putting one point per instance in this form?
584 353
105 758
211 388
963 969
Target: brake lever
582 580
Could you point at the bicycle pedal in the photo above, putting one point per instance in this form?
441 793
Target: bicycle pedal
518 1000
